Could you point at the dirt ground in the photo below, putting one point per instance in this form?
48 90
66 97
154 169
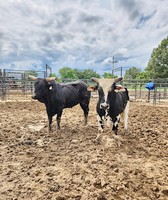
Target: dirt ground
65 165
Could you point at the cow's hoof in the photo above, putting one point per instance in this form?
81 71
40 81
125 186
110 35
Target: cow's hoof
58 130
49 131
98 139
125 131
116 138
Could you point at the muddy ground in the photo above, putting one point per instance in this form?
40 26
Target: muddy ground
68 164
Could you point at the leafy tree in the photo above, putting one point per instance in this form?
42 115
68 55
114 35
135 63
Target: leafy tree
52 75
89 73
143 75
86 74
78 73
158 63
132 73
108 75
67 72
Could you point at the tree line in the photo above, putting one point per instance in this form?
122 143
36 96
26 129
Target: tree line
157 67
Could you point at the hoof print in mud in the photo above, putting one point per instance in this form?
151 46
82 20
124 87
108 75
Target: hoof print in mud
60 198
28 141
101 197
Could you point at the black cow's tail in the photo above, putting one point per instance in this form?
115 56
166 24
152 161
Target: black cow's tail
127 93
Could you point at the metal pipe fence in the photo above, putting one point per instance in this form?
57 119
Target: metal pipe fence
138 91
15 85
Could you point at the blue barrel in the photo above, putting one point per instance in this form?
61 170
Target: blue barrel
150 86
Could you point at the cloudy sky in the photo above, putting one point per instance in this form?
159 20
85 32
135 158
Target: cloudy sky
80 33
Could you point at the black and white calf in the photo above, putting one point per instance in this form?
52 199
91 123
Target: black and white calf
113 101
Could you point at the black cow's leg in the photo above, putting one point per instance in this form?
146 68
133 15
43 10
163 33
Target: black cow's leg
100 123
49 123
49 118
85 109
100 127
100 118
59 119
108 119
116 121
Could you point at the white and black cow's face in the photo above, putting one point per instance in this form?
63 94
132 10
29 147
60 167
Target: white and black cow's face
105 88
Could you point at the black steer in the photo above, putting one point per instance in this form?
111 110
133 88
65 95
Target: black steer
113 100
57 96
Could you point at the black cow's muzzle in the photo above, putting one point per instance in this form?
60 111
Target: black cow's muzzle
34 97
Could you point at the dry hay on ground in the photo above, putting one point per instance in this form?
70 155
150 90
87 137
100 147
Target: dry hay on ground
69 165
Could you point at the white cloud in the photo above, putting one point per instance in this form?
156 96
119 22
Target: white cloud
90 63
80 33
122 52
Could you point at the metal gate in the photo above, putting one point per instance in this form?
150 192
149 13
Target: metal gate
14 84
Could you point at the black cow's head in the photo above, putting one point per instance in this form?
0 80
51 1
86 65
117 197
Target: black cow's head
42 87
105 88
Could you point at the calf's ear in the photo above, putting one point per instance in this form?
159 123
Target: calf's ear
91 88
116 80
119 87
95 79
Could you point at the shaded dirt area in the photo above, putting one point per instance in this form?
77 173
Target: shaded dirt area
68 164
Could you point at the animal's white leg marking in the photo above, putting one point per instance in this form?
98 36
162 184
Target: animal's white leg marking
126 116
100 123
109 121
100 128
116 138
117 121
